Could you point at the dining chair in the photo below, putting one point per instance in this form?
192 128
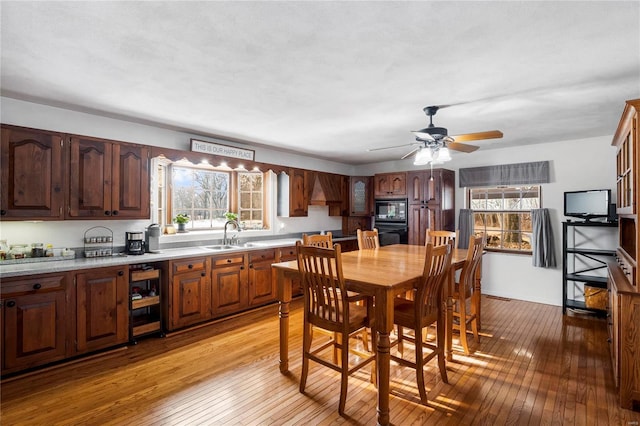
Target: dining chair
438 238
326 241
318 240
368 239
328 306
424 310
463 291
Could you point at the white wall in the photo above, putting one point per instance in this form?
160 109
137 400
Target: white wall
575 165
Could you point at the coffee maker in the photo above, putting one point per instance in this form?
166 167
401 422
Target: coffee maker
152 238
134 243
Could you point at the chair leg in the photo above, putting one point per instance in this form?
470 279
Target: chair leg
463 327
420 367
400 340
306 347
365 339
344 374
474 312
440 344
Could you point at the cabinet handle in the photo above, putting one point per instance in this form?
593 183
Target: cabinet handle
120 273
228 260
3 212
115 212
242 268
37 286
608 340
203 274
107 213
190 266
11 303
251 266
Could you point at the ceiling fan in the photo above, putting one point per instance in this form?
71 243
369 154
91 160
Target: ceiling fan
433 143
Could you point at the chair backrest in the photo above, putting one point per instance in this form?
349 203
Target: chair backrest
318 240
325 292
474 254
439 238
368 239
437 264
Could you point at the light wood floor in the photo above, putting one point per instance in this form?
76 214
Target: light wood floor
533 366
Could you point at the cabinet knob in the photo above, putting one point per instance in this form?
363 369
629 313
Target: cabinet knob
190 266
120 273
37 286
242 268
250 266
3 212
608 340
115 213
11 303
107 213
203 274
228 260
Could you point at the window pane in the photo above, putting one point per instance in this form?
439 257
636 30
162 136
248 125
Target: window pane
201 194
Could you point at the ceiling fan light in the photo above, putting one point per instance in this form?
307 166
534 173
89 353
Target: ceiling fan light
444 154
423 156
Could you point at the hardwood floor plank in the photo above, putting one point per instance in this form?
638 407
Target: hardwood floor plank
532 366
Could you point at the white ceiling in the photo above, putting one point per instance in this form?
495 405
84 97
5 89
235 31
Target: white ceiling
332 79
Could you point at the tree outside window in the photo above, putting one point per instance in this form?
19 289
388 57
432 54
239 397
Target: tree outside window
503 214
201 194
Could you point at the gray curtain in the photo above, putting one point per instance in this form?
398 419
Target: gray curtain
465 227
504 174
544 255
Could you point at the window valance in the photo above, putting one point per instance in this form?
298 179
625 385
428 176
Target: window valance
505 174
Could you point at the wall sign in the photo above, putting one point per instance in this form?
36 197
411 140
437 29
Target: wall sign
222 150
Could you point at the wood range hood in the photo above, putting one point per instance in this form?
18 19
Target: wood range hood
326 189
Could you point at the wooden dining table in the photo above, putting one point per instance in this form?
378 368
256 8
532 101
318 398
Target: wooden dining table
382 273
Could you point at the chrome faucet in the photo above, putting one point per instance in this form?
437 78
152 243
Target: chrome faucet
234 239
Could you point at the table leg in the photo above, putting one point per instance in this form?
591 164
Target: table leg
384 325
284 297
478 290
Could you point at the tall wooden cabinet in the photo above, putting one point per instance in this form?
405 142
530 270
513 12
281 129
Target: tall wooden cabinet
108 179
32 173
624 291
431 200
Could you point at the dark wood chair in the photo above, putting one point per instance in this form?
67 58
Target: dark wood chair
426 309
463 291
368 239
328 306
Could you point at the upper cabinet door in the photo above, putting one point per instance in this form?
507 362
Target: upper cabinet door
32 180
360 203
130 187
390 184
108 180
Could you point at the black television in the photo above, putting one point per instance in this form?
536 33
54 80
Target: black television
587 205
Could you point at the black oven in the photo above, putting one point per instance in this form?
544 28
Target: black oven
391 221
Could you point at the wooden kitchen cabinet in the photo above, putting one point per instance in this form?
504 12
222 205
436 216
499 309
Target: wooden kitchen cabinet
31 168
108 180
360 196
189 300
431 196
262 282
294 193
36 329
229 281
287 254
390 185
102 308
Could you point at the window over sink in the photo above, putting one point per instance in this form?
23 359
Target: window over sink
205 193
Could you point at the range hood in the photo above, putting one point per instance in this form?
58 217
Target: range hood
326 189
320 189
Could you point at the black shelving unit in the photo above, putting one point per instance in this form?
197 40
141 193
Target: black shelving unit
580 264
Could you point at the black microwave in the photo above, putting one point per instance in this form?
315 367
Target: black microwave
391 211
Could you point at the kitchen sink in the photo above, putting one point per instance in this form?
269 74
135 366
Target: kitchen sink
221 247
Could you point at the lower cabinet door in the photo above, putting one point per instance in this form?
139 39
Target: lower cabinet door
262 282
190 299
229 292
34 330
102 308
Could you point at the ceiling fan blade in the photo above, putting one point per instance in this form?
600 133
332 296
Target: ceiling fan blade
421 134
390 147
410 154
462 147
491 134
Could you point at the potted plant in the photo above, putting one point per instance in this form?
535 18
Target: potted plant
182 219
231 216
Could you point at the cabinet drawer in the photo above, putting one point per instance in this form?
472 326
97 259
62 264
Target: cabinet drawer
189 265
286 254
53 282
262 256
229 260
